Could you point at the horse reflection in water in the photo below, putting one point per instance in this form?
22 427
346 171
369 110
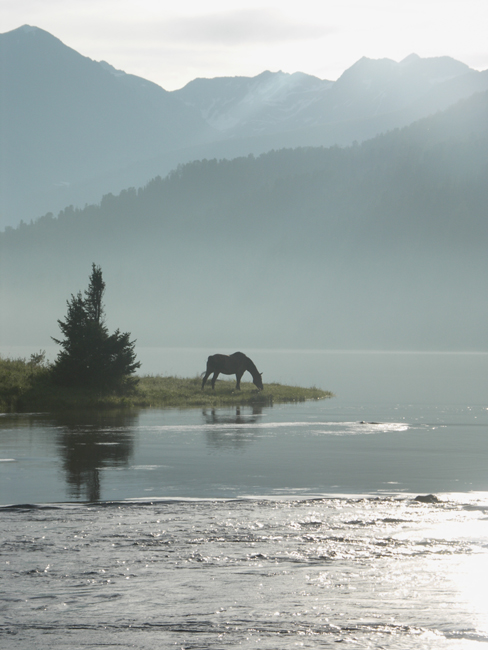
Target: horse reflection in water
233 364
242 416
226 430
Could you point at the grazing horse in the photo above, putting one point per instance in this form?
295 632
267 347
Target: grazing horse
233 364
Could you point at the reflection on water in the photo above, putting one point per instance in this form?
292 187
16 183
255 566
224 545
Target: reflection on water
311 448
241 416
90 443
223 435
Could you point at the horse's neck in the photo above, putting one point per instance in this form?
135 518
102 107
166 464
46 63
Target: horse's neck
252 368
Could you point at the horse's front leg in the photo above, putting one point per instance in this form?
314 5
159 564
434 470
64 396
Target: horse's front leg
214 379
238 377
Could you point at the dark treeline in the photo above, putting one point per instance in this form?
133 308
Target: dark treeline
437 165
394 226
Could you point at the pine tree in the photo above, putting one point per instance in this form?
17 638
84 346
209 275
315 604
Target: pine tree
90 356
94 295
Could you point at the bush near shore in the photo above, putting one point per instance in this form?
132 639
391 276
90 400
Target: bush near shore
26 386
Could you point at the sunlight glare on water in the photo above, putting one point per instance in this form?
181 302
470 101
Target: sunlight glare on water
366 572
469 572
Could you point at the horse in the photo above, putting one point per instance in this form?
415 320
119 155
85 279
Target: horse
232 364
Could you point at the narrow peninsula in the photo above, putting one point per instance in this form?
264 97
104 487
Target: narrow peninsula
27 386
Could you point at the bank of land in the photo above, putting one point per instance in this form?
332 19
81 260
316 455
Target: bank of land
25 386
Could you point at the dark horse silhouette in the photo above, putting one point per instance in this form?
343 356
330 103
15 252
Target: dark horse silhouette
233 364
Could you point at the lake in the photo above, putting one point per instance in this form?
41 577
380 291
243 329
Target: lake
284 526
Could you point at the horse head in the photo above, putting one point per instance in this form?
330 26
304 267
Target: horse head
258 381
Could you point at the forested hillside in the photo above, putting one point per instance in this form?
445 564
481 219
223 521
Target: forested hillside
381 245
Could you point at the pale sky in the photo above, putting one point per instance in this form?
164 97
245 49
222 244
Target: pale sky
172 43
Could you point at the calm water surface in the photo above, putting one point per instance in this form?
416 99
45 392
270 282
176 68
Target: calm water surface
291 526
306 449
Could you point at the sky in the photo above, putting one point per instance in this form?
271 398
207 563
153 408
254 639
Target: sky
172 43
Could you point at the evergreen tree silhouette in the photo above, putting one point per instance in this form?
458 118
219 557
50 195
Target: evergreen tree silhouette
91 357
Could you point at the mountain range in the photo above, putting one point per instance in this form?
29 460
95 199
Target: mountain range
73 129
378 245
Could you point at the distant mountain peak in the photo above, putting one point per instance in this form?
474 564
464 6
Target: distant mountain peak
255 104
27 29
28 39
383 72
366 66
30 30
410 59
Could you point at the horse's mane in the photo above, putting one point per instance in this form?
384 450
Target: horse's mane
251 367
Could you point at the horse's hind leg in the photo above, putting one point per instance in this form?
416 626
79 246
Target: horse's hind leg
207 375
214 379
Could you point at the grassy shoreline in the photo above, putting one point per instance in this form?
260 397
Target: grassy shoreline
25 386
187 393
